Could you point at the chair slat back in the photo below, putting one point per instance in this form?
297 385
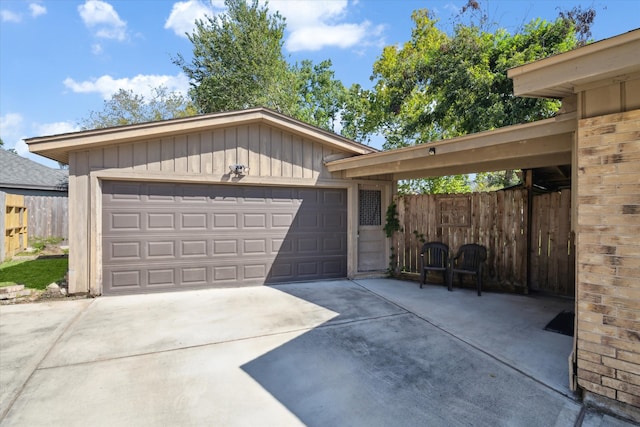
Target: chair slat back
472 256
435 254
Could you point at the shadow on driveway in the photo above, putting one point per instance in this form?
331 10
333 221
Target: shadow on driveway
325 353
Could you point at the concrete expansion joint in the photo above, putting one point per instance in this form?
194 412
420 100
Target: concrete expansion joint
475 347
59 332
188 347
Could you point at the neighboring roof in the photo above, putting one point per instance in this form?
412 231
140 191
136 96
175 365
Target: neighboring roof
20 172
57 147
566 73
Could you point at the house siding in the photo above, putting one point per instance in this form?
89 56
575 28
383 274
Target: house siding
608 254
267 151
273 157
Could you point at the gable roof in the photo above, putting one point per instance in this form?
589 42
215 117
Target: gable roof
20 172
57 147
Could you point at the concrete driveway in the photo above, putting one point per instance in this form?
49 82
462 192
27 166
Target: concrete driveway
325 353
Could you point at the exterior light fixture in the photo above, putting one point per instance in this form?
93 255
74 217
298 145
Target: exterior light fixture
432 151
238 170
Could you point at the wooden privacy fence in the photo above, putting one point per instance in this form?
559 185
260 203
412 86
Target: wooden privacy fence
499 221
48 216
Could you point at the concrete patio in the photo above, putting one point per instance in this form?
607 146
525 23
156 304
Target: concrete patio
365 352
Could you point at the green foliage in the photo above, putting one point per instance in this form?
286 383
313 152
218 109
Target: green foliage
391 226
125 107
438 185
34 274
492 181
392 223
238 62
439 85
320 97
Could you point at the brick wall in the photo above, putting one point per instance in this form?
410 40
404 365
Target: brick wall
608 251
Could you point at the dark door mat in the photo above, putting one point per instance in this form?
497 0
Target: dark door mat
562 323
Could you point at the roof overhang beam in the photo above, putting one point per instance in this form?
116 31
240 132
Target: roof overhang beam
538 144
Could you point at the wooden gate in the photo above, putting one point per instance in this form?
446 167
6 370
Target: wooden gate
552 249
14 227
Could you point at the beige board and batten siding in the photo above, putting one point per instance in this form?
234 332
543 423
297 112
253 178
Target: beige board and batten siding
273 156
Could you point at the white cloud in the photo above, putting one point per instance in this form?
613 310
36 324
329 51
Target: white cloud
96 49
342 36
141 84
313 25
103 19
37 9
10 124
14 129
8 16
55 128
185 13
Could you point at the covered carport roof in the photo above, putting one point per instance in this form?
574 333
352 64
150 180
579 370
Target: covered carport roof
532 145
541 144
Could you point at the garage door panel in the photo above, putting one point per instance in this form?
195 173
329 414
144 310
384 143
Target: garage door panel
254 220
194 276
126 279
225 247
225 220
160 221
125 191
126 221
255 246
194 248
126 251
334 198
161 277
226 272
177 236
194 221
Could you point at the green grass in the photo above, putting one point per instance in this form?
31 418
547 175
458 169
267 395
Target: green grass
34 274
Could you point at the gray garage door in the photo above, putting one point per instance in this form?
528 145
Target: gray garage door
161 236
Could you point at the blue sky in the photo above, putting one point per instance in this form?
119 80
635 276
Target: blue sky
61 59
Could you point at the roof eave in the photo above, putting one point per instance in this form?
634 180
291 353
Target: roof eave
57 147
538 143
563 74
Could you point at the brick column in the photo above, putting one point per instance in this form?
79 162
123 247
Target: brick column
608 253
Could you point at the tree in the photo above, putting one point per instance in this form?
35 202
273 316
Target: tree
237 60
439 86
126 107
320 97
1 143
238 63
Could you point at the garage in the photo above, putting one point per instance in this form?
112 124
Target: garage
169 236
237 198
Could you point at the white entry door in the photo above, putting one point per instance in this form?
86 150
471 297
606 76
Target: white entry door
372 250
